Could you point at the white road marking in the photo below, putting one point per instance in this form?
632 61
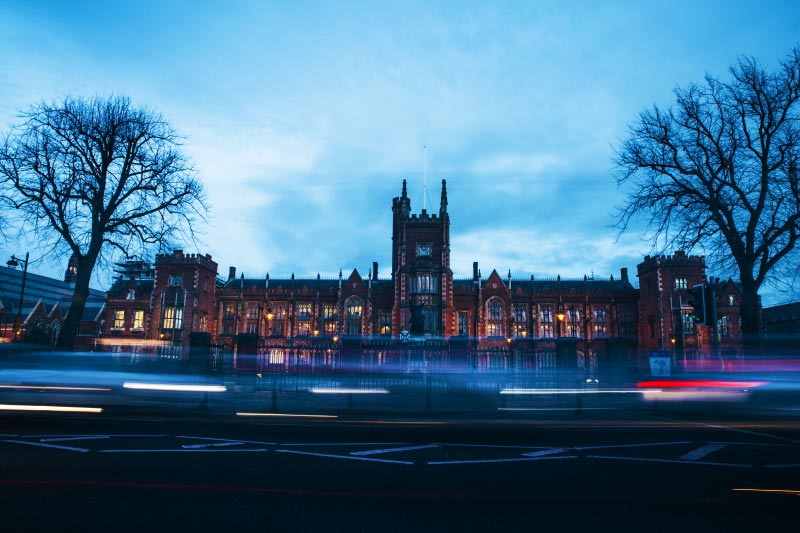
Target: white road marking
286 415
747 443
181 450
630 445
343 443
652 460
85 437
69 448
237 441
209 444
747 432
545 452
702 451
100 435
492 446
502 460
390 450
557 408
346 457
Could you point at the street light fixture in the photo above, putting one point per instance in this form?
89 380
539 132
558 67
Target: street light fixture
560 315
14 263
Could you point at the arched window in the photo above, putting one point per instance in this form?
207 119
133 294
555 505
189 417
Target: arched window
354 311
494 318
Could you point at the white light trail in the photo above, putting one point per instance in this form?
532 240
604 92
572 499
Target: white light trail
50 408
53 387
177 387
318 390
286 415
575 391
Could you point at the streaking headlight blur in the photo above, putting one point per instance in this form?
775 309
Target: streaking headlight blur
178 387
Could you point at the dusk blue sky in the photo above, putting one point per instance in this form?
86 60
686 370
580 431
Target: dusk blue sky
303 118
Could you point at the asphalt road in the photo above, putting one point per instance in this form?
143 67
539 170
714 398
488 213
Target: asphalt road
595 471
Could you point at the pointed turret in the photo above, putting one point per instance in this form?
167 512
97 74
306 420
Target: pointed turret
443 201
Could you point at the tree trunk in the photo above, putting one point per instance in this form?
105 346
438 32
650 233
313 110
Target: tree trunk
69 332
751 320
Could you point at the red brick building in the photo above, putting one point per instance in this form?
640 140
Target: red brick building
665 314
162 304
419 300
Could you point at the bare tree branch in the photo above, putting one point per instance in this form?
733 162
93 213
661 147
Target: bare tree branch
719 170
94 176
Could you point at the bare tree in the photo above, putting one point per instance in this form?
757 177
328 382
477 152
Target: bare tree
719 171
96 177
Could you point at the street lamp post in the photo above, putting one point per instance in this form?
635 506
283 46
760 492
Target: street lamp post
14 263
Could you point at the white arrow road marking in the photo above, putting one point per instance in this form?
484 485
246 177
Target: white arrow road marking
346 457
69 448
701 452
390 450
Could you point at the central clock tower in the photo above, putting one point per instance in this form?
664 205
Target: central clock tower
423 281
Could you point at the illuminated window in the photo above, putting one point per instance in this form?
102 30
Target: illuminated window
173 318
203 322
423 284
353 318
304 318
546 320
688 322
119 319
573 321
251 317
278 321
228 319
276 356
494 318
731 300
131 294
723 326
330 316
386 323
520 320
681 283
463 323
138 319
599 322
423 249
